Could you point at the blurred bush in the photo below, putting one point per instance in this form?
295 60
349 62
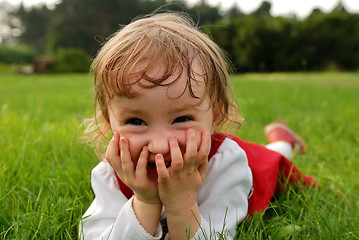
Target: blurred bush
16 54
71 60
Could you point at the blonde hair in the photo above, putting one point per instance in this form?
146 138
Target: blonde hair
169 39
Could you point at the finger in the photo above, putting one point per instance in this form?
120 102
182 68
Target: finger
176 156
127 164
112 152
204 148
163 174
116 137
203 153
191 149
141 168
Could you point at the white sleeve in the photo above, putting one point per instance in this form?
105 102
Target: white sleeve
223 197
111 215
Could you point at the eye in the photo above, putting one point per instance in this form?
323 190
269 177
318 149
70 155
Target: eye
182 119
135 121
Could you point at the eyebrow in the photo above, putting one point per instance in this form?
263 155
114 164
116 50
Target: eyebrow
126 110
187 107
129 110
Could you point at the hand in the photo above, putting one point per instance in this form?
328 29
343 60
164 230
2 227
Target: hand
178 185
135 178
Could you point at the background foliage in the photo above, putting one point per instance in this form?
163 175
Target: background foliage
319 42
255 42
71 60
18 54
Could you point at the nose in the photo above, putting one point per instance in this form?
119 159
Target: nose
158 142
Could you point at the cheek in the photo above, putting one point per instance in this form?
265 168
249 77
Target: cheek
181 138
136 144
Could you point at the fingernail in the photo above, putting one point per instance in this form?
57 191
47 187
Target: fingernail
158 157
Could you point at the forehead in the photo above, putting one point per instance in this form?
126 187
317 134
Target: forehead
178 82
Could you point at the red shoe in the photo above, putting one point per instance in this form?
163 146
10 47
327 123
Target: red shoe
279 131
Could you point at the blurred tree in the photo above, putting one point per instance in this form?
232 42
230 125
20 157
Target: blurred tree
263 10
77 22
340 8
6 23
34 25
316 11
239 37
82 23
256 42
74 27
203 13
319 42
233 12
333 39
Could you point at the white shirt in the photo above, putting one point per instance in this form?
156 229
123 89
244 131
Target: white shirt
222 200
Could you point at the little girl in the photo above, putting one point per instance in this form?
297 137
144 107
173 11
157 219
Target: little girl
162 90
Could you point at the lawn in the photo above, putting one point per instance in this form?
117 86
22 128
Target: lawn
45 169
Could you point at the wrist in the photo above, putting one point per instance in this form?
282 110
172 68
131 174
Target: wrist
148 214
183 223
180 209
145 203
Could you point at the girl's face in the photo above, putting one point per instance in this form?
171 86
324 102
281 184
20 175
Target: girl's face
160 112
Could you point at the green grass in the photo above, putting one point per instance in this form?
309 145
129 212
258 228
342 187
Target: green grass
45 170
